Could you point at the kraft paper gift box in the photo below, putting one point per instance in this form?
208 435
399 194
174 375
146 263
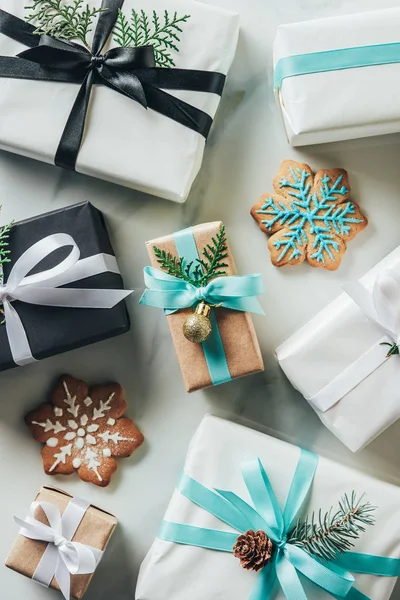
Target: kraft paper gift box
95 530
344 103
53 329
180 571
123 142
236 328
319 358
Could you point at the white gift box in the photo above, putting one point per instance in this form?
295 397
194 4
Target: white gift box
341 104
180 572
123 142
321 354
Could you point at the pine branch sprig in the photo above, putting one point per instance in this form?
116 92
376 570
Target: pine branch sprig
201 271
328 536
60 19
4 240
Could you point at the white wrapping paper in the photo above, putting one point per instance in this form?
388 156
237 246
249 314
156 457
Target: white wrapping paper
187 573
123 142
328 344
340 105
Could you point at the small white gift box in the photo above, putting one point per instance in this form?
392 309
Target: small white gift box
123 142
343 103
219 447
337 363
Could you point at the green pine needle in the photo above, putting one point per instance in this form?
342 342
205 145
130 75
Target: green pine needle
328 536
200 272
71 20
143 30
393 349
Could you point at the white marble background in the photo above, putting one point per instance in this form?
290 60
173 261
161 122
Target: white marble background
243 153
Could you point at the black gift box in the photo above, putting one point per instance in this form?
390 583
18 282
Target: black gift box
53 330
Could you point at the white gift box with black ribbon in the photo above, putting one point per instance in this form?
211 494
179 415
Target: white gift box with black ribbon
123 142
338 363
344 103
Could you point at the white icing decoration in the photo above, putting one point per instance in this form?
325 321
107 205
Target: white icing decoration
114 437
92 428
61 456
52 442
107 452
79 443
76 463
84 420
71 435
58 411
91 440
70 401
49 426
81 432
72 424
111 422
98 413
93 463
87 401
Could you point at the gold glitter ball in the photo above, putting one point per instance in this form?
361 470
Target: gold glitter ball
197 327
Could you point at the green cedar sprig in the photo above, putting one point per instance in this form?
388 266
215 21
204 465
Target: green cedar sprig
328 536
4 253
201 271
68 21
145 30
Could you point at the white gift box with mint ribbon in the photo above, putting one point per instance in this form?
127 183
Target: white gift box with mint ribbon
338 363
323 105
217 453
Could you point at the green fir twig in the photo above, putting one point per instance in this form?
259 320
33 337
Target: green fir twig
393 349
4 254
201 271
145 30
68 20
328 536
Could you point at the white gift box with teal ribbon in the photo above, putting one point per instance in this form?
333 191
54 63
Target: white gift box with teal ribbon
339 360
339 78
254 481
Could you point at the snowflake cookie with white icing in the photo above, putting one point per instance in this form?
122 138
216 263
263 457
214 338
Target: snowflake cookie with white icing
84 430
309 217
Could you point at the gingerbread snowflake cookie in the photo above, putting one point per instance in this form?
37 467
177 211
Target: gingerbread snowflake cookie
309 217
84 430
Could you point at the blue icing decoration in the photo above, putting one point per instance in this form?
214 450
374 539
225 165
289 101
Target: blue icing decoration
323 217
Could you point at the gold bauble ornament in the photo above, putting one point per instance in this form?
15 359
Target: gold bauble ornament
197 327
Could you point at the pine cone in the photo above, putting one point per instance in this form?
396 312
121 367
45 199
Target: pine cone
254 550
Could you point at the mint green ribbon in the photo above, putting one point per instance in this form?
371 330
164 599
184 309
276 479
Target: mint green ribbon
172 294
288 560
335 60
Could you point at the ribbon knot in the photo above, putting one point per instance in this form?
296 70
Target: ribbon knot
59 541
201 293
98 60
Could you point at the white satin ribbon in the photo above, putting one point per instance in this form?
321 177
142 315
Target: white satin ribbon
62 557
382 307
42 288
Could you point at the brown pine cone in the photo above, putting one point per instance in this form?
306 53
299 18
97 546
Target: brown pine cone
254 550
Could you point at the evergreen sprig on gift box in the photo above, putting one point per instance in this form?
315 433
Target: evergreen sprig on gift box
4 253
201 271
73 20
145 30
327 536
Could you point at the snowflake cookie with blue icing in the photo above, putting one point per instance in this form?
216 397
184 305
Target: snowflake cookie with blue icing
84 430
309 217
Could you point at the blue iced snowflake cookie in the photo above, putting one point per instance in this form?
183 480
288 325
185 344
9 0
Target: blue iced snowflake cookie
309 218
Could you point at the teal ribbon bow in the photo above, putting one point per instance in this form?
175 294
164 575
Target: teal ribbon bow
288 560
172 294
335 60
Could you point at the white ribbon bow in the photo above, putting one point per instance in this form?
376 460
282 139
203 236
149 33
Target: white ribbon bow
43 288
62 557
381 305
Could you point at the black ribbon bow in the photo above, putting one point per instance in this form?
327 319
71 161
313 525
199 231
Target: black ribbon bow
129 71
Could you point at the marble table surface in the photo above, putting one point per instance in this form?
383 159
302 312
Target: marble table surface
244 151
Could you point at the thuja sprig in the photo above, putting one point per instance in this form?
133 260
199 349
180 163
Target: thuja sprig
62 19
328 536
393 349
4 254
144 30
201 271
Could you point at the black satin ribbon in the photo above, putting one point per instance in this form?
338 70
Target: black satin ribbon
129 71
